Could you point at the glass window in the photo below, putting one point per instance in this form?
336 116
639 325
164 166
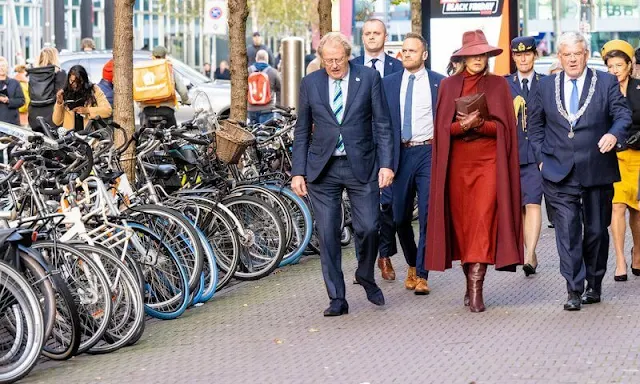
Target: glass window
74 19
76 2
1 15
26 16
145 5
18 14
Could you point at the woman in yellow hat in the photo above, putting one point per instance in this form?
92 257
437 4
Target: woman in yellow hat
617 56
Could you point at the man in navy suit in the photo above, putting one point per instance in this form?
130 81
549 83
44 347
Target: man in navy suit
411 96
577 119
374 35
351 147
524 83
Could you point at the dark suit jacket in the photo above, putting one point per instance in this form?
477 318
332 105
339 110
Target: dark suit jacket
9 112
365 127
525 149
391 65
633 99
608 112
392 94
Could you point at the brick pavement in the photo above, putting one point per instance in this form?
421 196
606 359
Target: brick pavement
273 331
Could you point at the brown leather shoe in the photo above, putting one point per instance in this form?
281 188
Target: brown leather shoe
411 281
465 269
422 288
384 263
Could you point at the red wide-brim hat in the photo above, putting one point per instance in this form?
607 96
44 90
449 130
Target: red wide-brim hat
474 43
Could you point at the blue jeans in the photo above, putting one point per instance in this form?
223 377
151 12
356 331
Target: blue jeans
259 117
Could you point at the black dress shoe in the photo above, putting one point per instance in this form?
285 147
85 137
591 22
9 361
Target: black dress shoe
529 269
591 296
635 271
551 226
620 277
336 310
376 297
573 302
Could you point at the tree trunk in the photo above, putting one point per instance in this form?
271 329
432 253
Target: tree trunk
416 16
324 14
238 13
123 81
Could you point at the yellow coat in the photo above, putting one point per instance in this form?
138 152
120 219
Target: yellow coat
64 117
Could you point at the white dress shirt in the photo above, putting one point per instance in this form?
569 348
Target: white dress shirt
379 64
421 111
344 85
568 88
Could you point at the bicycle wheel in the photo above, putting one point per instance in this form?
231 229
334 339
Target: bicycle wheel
264 244
21 326
166 293
38 278
176 231
88 285
220 234
63 342
301 220
127 314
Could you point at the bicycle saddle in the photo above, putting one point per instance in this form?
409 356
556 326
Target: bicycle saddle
163 171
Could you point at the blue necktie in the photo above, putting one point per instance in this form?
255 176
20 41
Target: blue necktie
373 62
574 102
408 101
338 109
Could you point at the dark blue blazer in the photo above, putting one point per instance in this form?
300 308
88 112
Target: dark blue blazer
525 150
9 112
392 94
365 127
608 112
391 65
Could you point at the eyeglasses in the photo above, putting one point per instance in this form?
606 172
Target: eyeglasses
573 55
330 62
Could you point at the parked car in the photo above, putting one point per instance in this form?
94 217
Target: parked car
219 92
543 64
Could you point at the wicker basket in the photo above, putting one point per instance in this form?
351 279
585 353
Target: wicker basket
232 141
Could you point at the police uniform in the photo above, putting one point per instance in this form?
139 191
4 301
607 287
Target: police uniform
522 90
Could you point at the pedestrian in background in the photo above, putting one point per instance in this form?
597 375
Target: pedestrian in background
87 45
577 118
206 70
474 208
374 35
617 56
222 72
252 50
79 101
523 84
45 80
106 83
264 89
11 96
21 76
351 148
636 66
411 97
454 64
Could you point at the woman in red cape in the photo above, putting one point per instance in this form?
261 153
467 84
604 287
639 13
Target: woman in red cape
474 208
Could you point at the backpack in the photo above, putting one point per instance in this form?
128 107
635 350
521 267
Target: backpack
259 88
153 82
42 85
25 90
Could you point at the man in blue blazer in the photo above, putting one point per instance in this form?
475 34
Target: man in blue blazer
577 119
374 35
524 83
411 96
350 147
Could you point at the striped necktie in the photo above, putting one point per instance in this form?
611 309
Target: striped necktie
338 110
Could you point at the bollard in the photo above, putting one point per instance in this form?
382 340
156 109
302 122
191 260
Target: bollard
292 70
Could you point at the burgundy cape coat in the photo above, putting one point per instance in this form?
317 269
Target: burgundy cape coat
509 249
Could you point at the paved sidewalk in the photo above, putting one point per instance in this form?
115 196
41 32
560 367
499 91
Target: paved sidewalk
273 331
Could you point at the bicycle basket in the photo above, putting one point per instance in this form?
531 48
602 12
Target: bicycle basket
232 141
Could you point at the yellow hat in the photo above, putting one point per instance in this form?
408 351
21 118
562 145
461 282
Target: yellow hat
617 45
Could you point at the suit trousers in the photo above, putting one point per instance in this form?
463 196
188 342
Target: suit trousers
581 216
413 176
388 246
326 195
